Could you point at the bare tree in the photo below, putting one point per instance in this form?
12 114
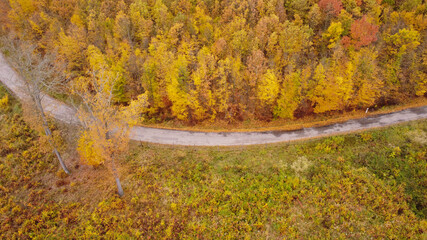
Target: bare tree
40 75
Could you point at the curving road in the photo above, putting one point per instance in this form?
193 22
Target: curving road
67 114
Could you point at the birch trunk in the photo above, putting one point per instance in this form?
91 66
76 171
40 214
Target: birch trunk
49 134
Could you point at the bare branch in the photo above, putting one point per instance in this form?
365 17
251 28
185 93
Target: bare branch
37 71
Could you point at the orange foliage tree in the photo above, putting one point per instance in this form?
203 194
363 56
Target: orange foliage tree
362 33
106 126
331 7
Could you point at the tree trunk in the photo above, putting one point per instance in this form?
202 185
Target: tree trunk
119 187
60 161
116 177
52 144
50 137
113 167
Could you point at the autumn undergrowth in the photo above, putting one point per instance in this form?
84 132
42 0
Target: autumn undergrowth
356 186
313 120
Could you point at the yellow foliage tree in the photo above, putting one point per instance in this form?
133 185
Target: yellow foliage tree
122 27
333 34
72 46
140 18
398 45
110 68
226 89
21 11
160 13
178 87
290 96
268 88
367 85
421 87
294 40
202 23
202 79
106 126
88 152
333 89
158 63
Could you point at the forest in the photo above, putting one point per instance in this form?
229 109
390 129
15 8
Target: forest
234 60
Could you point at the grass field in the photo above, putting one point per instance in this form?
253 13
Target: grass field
356 186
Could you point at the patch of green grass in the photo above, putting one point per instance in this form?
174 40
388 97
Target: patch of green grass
353 186
359 186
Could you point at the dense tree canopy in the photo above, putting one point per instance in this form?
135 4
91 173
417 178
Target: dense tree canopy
234 60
